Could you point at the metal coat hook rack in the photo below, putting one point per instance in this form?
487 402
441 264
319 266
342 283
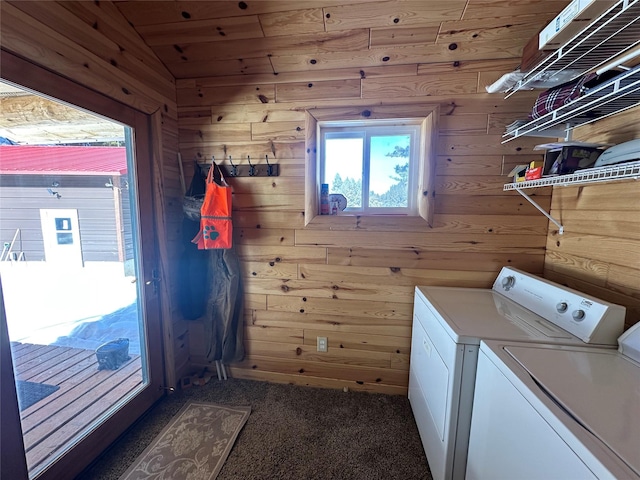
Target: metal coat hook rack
247 170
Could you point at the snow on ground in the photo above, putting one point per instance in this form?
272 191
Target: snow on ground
78 307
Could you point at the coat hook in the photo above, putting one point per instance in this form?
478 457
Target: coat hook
269 166
213 160
252 169
234 168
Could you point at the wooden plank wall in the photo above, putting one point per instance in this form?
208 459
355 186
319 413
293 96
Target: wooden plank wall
353 282
94 45
599 253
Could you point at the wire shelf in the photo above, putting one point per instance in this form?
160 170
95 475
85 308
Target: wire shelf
614 96
616 31
623 171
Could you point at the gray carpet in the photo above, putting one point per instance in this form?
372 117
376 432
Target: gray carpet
293 433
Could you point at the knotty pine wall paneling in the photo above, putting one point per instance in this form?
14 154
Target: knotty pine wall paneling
94 45
353 282
599 252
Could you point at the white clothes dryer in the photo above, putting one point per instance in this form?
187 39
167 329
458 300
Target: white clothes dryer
450 322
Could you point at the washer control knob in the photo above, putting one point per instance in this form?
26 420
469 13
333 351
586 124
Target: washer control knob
578 315
562 307
508 282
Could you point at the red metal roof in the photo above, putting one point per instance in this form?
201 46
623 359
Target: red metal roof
62 160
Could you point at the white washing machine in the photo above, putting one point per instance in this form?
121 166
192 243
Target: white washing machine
448 324
553 412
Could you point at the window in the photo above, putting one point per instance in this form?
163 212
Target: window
380 158
372 164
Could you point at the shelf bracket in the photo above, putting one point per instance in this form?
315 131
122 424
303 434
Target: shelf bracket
541 210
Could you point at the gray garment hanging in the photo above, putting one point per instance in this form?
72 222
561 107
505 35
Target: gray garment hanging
224 322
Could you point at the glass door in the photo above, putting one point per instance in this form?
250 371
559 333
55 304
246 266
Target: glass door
78 278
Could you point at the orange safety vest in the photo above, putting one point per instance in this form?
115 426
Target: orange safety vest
216 230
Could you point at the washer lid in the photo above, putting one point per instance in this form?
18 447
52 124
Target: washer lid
471 314
600 388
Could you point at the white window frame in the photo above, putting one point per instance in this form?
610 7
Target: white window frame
366 129
424 115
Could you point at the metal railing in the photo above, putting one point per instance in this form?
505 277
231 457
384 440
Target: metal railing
8 254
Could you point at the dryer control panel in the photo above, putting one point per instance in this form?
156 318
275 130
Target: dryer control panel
588 318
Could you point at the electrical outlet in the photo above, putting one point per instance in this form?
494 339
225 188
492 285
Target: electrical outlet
323 344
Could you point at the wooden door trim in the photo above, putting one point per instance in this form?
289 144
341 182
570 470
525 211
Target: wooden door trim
33 77
13 463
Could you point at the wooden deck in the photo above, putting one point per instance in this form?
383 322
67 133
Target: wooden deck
85 394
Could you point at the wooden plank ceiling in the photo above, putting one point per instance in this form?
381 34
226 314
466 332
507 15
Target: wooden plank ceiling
224 44
196 39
